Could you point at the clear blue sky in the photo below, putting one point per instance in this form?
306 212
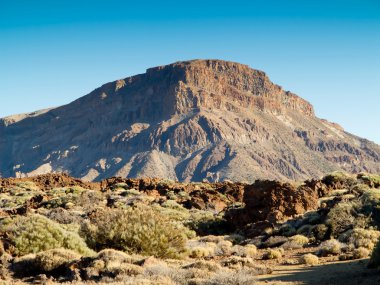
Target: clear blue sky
328 52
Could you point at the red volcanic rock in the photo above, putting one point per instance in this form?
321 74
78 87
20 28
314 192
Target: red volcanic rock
274 201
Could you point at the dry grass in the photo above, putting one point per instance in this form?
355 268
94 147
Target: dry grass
310 259
330 247
273 254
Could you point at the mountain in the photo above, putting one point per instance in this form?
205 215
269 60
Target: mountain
187 121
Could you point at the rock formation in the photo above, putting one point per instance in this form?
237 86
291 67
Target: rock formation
187 121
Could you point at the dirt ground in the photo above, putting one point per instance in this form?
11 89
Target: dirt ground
331 273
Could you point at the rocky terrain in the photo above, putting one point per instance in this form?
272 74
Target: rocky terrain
187 121
55 229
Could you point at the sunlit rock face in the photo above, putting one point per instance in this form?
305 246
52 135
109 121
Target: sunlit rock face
189 121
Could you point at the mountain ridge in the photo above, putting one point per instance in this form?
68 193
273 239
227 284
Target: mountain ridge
190 120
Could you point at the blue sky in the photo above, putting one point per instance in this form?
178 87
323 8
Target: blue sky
328 52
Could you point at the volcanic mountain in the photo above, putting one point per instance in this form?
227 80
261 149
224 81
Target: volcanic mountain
188 121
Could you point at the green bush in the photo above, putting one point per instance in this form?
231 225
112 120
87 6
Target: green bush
370 179
338 180
287 230
52 259
341 218
135 230
35 233
321 232
206 223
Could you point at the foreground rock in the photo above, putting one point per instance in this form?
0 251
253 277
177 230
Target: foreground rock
274 201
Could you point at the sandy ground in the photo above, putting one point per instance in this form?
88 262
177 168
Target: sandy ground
332 273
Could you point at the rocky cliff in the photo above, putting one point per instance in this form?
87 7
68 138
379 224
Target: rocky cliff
193 120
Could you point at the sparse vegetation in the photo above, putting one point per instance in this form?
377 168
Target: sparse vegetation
75 233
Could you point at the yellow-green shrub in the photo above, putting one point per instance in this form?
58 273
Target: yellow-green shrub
361 238
310 259
52 259
273 254
135 230
35 233
341 218
361 252
299 239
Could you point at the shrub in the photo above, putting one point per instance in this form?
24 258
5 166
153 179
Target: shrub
330 247
5 260
204 265
273 254
109 256
201 252
35 233
61 216
113 270
306 230
171 204
249 250
28 185
109 265
52 259
310 259
89 199
236 262
241 277
320 232
173 275
299 239
370 179
206 223
211 238
287 230
341 218
275 241
361 252
361 238
235 238
312 218
338 179
291 245
119 84
359 189
223 248
136 230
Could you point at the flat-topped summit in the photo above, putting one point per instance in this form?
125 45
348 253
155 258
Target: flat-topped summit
190 120
222 85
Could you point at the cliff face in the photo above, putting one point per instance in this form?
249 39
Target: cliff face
188 121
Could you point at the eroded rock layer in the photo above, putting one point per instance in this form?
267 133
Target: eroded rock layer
188 121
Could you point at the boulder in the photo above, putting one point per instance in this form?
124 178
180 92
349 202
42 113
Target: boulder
274 201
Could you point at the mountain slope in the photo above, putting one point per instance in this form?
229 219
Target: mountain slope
187 121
